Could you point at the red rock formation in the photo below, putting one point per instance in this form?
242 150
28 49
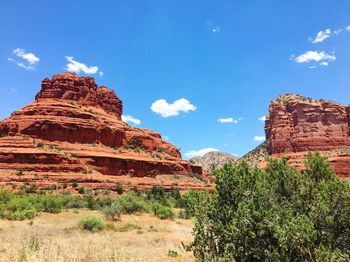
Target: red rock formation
73 131
69 86
296 125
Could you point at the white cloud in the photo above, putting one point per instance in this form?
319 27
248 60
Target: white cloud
213 27
322 35
312 67
324 64
77 67
165 109
166 138
130 119
348 28
259 138
263 118
228 120
101 74
311 56
216 29
337 32
14 90
201 152
27 60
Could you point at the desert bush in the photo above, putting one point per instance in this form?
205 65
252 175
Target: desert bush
165 213
119 188
52 204
18 209
114 211
40 145
276 214
92 223
74 184
5 196
132 203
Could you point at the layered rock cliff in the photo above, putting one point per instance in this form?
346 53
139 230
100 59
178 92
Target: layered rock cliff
73 132
296 125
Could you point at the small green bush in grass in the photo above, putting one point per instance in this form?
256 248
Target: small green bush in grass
92 224
52 204
128 227
114 211
165 213
132 203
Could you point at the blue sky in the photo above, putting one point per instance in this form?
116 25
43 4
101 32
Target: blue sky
219 59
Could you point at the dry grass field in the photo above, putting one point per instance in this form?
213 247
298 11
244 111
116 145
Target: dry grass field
56 237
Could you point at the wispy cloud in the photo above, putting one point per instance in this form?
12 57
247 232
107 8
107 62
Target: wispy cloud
131 119
262 118
229 120
321 58
213 27
77 67
163 108
14 90
27 60
201 152
310 56
259 138
321 36
348 28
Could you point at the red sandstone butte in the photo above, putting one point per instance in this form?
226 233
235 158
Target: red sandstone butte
73 132
297 125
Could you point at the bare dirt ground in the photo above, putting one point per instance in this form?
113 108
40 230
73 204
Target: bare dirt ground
56 237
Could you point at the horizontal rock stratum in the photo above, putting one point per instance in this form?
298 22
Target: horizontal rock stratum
296 125
73 132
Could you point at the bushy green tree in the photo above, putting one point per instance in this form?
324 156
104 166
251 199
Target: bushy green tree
92 223
276 214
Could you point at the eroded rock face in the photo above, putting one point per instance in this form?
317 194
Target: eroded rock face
73 132
296 125
70 86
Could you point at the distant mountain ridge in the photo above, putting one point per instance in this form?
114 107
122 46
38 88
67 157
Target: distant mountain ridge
213 160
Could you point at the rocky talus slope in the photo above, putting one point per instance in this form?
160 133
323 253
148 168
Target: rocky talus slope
296 125
73 132
213 160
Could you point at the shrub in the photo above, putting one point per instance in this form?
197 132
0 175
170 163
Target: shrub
276 214
52 204
92 223
165 213
128 227
173 253
75 184
40 145
5 196
18 209
131 203
119 188
81 190
157 193
114 211
74 155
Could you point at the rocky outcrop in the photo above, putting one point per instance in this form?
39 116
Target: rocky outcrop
73 132
84 90
297 125
213 160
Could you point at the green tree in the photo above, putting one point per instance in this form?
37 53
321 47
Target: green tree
276 214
